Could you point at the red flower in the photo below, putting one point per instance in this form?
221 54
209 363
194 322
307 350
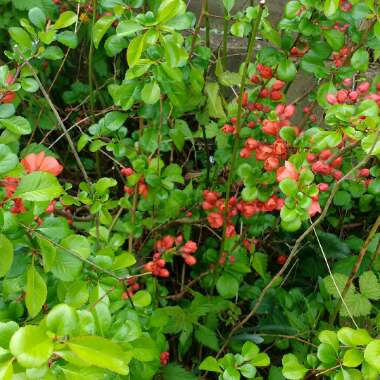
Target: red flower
314 208
287 171
18 207
164 358
271 163
189 247
40 162
10 185
215 219
51 208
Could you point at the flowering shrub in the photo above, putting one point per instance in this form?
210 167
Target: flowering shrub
163 217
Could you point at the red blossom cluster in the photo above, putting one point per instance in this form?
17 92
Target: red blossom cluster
248 209
296 52
8 96
341 28
157 265
133 287
142 186
345 5
187 251
345 96
212 201
274 91
164 358
323 163
341 56
223 258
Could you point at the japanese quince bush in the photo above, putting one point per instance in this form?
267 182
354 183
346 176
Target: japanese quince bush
166 215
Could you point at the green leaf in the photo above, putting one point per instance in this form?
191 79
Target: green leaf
17 124
261 360
292 8
167 10
36 291
340 281
62 320
142 298
37 17
150 93
21 37
6 255
100 28
352 358
342 198
286 70
360 60
135 50
329 337
228 5
7 110
327 354
29 85
214 101
68 38
357 304
100 352
78 244
249 193
372 354
354 337
369 285
210 364
260 263
38 187
239 29
65 19
288 186
376 29
174 371
103 184
31 346
249 351
334 38
330 7
7 329
128 27
231 373
248 371
370 144
6 370
53 53
292 368
8 160
207 337
48 253
227 286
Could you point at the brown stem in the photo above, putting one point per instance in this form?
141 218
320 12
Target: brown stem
355 268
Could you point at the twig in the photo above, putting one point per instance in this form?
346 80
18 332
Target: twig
74 254
341 295
60 122
355 268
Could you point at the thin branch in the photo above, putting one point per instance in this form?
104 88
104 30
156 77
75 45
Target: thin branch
355 268
74 254
60 122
